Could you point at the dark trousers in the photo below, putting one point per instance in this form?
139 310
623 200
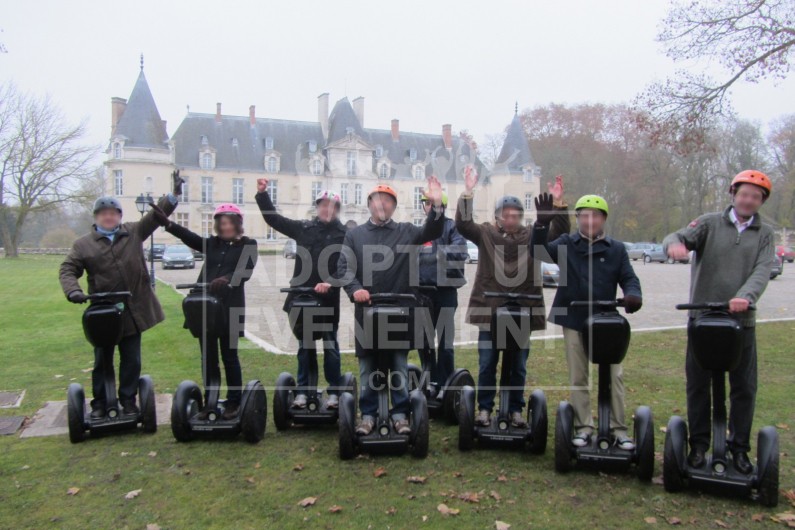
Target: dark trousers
307 362
234 375
129 370
487 375
445 302
371 381
742 398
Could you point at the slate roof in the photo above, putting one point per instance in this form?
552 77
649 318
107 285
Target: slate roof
140 124
515 151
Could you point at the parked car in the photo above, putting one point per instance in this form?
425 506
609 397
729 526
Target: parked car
157 250
638 249
197 255
627 245
658 255
290 249
778 268
178 256
785 253
550 273
472 250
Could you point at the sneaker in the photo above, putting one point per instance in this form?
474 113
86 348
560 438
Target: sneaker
365 426
402 426
333 401
624 443
300 401
128 408
581 440
230 411
483 418
518 421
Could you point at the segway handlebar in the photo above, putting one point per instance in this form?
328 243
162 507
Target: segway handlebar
197 285
598 303
392 296
303 290
512 296
109 294
715 306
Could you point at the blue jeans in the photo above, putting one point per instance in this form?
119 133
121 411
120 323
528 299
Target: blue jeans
487 375
307 363
370 381
445 302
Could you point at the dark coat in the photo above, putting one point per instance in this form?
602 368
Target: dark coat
234 260
314 240
118 266
442 260
593 272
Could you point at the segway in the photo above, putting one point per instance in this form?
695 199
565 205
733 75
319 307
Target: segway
206 320
103 327
388 320
510 331
306 311
716 339
443 399
606 336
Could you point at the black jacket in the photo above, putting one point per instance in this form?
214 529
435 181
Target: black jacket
317 246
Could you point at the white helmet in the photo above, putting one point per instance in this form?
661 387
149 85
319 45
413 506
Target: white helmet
328 195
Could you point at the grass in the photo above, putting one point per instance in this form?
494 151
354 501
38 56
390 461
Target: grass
220 484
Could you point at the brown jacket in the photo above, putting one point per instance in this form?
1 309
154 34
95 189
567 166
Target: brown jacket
504 264
119 266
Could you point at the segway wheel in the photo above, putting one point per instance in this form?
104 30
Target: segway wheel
347 434
674 455
564 430
350 385
420 428
539 422
416 379
466 419
254 415
644 437
187 403
452 394
767 461
76 413
281 401
146 393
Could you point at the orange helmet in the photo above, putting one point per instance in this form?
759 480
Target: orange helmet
751 176
383 188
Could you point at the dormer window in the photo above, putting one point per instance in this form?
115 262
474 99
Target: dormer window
234 142
349 131
116 150
207 161
413 154
379 151
312 146
419 173
317 167
272 164
269 142
204 140
383 171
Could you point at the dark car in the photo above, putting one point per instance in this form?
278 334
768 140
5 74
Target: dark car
157 251
178 256
778 268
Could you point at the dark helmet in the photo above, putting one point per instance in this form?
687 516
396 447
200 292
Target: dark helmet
508 201
106 202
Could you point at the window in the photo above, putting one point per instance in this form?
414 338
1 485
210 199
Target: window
413 154
234 142
272 165
207 190
117 150
317 167
207 161
351 163
270 233
118 183
185 188
316 187
419 221
528 201
357 194
344 193
273 190
312 146
379 151
207 224
149 185
182 219
418 198
383 172
237 191
419 172
269 142
204 140
527 175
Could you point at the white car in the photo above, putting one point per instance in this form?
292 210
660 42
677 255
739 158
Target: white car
472 251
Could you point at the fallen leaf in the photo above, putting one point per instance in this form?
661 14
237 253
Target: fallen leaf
132 494
650 520
501 525
335 508
758 517
782 426
658 480
721 523
73 491
25 467
152 526
153 453
298 467
58 376
446 510
673 521
391 511
494 495
308 501
424 518
457 474
124 453
502 478
250 480
86 370
379 472
663 429
469 497
257 465
416 480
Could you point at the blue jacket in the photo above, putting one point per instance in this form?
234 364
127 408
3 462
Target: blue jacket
588 272
442 260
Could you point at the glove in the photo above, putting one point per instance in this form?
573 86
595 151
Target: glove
632 304
177 182
77 297
160 216
545 209
219 286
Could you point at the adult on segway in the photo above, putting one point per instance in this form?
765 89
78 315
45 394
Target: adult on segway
110 255
317 245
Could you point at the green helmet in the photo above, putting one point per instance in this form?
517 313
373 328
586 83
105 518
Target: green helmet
592 201
444 199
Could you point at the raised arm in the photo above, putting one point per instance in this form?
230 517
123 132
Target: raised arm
191 239
289 227
464 214
167 204
691 237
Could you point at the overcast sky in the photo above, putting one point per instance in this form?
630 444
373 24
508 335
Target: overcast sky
426 63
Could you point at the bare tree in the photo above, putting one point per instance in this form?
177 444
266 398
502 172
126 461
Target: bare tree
43 162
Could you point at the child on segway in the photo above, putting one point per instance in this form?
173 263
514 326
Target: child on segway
595 265
110 255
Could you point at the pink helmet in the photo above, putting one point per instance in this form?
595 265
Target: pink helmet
227 209
330 195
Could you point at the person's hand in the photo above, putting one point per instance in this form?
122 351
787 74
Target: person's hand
362 296
545 209
322 288
77 297
632 303
677 251
433 191
177 182
738 305
219 286
161 217
470 178
556 189
262 185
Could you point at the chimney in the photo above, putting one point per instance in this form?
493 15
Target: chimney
252 115
395 130
165 128
217 113
447 135
358 109
117 107
322 113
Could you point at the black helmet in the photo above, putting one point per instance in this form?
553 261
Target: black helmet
106 202
508 201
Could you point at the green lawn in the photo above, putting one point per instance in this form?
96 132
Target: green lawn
232 484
